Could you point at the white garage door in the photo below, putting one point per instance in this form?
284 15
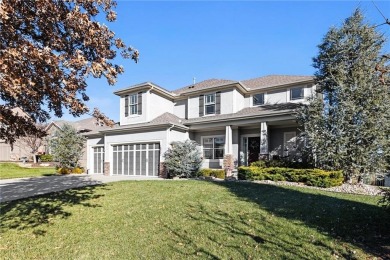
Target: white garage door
136 159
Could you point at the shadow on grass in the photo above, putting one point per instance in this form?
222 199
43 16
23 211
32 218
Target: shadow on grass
39 210
363 225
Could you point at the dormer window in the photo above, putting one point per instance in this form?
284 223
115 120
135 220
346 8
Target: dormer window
296 93
133 104
209 104
258 99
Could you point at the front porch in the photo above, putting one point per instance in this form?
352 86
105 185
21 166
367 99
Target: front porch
247 141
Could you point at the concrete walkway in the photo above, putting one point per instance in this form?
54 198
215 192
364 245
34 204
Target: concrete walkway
13 189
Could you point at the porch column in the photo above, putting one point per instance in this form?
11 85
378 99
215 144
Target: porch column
228 140
264 140
228 161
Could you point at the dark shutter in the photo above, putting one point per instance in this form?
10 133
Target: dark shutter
140 103
201 105
127 105
218 102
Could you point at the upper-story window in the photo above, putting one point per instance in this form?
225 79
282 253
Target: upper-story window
258 99
209 104
133 104
296 93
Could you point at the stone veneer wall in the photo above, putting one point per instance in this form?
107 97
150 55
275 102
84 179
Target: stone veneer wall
106 168
163 171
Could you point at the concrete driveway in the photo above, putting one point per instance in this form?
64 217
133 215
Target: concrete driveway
13 189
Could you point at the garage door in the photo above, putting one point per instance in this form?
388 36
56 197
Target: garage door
136 159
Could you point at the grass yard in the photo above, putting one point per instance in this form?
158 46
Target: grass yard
194 219
12 170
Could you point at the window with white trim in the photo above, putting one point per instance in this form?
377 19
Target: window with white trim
258 99
133 104
213 147
296 93
209 104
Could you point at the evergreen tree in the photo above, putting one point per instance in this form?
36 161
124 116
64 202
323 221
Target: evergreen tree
183 159
67 146
347 124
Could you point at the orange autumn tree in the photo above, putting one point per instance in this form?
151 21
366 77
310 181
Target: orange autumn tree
47 50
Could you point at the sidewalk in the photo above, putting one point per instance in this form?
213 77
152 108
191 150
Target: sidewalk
13 189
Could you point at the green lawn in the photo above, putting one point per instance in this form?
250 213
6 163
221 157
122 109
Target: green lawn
12 170
194 219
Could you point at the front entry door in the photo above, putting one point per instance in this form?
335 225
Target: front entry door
253 149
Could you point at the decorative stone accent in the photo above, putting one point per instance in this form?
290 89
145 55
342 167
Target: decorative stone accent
163 173
228 164
106 168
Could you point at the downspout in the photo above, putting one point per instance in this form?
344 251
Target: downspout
169 135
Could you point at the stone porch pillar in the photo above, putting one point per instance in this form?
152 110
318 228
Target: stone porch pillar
264 152
228 160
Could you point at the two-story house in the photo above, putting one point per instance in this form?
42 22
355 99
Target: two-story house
247 119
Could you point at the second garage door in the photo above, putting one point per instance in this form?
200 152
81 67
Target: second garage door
136 159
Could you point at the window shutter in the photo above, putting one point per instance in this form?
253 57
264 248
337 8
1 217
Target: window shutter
218 102
127 105
139 103
201 105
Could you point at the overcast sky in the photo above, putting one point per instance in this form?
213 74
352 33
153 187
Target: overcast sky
239 40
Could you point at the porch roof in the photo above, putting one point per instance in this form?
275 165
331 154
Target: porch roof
247 113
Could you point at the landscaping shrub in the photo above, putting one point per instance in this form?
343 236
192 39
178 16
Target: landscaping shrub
64 170
281 163
183 159
311 177
385 200
67 170
46 158
217 173
77 170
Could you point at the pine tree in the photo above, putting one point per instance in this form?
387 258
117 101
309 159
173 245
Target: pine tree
67 146
183 159
347 124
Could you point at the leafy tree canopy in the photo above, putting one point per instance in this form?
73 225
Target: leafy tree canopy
47 50
348 123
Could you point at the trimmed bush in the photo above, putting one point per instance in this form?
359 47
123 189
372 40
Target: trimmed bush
64 170
217 173
46 158
77 170
281 163
311 177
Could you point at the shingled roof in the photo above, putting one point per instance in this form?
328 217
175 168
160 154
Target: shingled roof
274 80
205 84
266 110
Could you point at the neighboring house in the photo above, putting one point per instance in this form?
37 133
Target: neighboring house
248 119
82 126
20 149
